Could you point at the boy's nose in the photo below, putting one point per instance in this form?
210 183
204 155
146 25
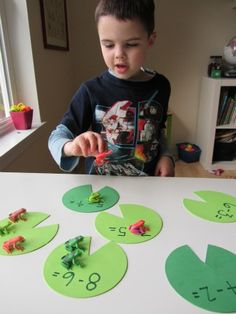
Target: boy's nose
120 54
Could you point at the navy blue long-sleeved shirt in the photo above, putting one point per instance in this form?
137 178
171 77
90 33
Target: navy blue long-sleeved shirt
130 115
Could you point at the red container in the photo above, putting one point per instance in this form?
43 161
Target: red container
22 120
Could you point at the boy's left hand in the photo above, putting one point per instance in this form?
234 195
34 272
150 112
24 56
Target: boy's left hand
165 167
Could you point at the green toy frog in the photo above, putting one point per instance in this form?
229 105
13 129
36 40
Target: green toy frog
94 197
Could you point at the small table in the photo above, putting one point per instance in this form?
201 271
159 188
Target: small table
144 288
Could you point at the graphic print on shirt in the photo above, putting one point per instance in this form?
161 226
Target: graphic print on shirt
149 118
118 124
131 131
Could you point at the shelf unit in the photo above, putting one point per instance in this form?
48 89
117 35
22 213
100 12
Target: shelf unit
207 121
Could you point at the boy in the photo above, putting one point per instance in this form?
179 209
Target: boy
119 116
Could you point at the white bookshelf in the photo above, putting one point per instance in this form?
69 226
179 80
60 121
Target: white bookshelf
207 121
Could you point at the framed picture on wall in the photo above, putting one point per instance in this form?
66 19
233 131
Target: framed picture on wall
54 24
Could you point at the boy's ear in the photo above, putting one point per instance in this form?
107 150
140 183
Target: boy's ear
152 38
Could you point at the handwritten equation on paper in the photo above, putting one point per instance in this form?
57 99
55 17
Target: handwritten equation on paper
81 204
78 198
213 206
88 276
122 231
137 224
70 276
214 280
228 210
209 295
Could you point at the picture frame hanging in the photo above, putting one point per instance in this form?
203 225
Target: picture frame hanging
54 24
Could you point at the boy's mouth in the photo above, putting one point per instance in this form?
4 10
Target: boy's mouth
121 68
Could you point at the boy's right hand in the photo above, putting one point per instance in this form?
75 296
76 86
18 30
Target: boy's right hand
86 144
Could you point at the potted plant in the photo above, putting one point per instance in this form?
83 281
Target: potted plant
21 116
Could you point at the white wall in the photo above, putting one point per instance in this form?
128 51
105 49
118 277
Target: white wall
189 31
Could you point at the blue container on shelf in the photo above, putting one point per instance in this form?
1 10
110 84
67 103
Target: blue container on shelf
188 152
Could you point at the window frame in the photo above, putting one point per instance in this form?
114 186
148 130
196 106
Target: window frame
6 72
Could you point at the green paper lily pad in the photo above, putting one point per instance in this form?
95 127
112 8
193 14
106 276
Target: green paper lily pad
210 285
35 238
99 272
77 199
216 206
116 228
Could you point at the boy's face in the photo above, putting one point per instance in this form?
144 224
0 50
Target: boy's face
124 45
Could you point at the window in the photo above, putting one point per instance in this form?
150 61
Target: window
16 59
6 98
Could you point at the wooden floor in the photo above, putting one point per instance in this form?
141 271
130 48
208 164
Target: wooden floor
195 170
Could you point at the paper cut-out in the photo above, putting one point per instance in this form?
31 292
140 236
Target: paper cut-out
116 228
214 206
35 237
77 199
211 285
95 274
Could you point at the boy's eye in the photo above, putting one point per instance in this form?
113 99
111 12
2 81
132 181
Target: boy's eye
111 45
108 45
129 45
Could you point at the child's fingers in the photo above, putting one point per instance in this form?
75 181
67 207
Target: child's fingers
91 143
95 143
101 144
88 144
82 145
93 139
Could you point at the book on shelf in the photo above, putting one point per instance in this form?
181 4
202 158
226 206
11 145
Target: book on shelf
233 118
222 105
227 109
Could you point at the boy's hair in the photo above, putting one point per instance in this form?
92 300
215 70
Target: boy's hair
143 10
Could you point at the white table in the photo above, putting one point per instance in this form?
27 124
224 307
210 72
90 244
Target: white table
144 288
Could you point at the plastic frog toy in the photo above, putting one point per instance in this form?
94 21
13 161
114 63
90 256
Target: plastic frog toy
94 197
74 244
101 158
18 215
13 243
4 228
71 258
138 228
